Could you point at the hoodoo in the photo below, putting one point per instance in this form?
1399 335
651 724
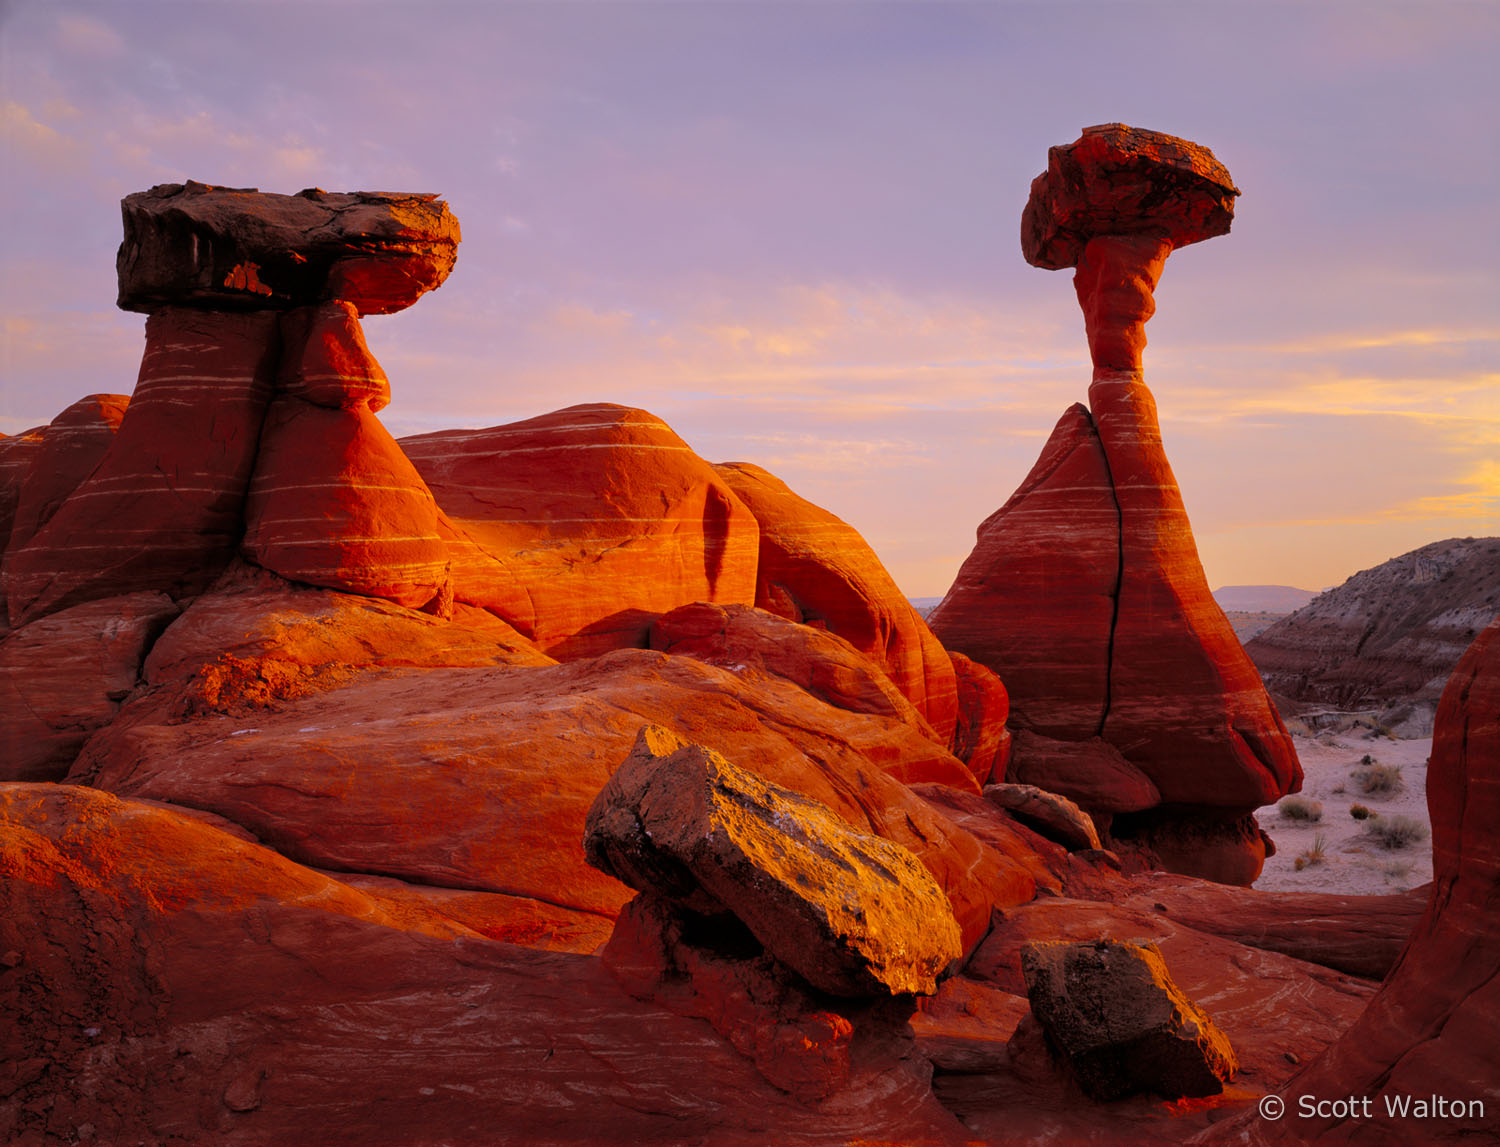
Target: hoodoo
1084 591
254 302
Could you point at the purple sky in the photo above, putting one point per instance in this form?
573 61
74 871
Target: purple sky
790 230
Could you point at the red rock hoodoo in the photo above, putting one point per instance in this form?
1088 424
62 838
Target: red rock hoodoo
1084 591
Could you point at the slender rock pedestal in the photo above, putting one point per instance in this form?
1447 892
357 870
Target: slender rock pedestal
1085 592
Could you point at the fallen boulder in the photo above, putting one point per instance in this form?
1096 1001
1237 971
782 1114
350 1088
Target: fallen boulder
1123 1026
854 915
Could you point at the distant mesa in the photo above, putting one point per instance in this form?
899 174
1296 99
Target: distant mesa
1263 598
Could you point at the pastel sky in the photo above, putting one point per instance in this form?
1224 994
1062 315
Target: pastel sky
791 231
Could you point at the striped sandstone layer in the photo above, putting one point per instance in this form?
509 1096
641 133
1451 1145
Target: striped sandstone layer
164 510
814 568
333 501
73 445
588 522
39 468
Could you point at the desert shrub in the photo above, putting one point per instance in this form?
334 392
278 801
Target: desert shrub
1314 855
1396 869
1367 759
1379 779
1300 808
1397 831
1362 812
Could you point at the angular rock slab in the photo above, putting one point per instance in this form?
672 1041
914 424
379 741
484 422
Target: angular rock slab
228 248
1054 816
1113 1011
854 915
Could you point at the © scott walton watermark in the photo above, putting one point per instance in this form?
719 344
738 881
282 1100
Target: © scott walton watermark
1372 1107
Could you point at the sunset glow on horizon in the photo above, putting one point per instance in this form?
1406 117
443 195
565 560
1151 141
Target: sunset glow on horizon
790 231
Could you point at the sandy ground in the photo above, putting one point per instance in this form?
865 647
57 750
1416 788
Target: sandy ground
1353 861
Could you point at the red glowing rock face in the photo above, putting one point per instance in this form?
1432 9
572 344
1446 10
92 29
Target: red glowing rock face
63 676
980 738
816 569
164 509
593 520
17 452
73 444
741 637
1035 600
1185 702
229 969
480 778
1430 1031
226 248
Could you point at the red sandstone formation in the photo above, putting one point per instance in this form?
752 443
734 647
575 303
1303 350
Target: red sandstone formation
73 444
589 522
64 676
334 501
161 978
980 736
741 637
164 509
816 569
41 467
1430 1031
1085 592
344 832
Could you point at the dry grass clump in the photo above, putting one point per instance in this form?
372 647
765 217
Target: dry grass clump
1300 808
1314 855
1362 812
1398 831
1378 778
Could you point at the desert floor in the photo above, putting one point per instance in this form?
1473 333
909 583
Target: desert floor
1353 861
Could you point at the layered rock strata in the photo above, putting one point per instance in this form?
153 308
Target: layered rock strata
1085 592
814 568
164 510
581 526
1389 636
